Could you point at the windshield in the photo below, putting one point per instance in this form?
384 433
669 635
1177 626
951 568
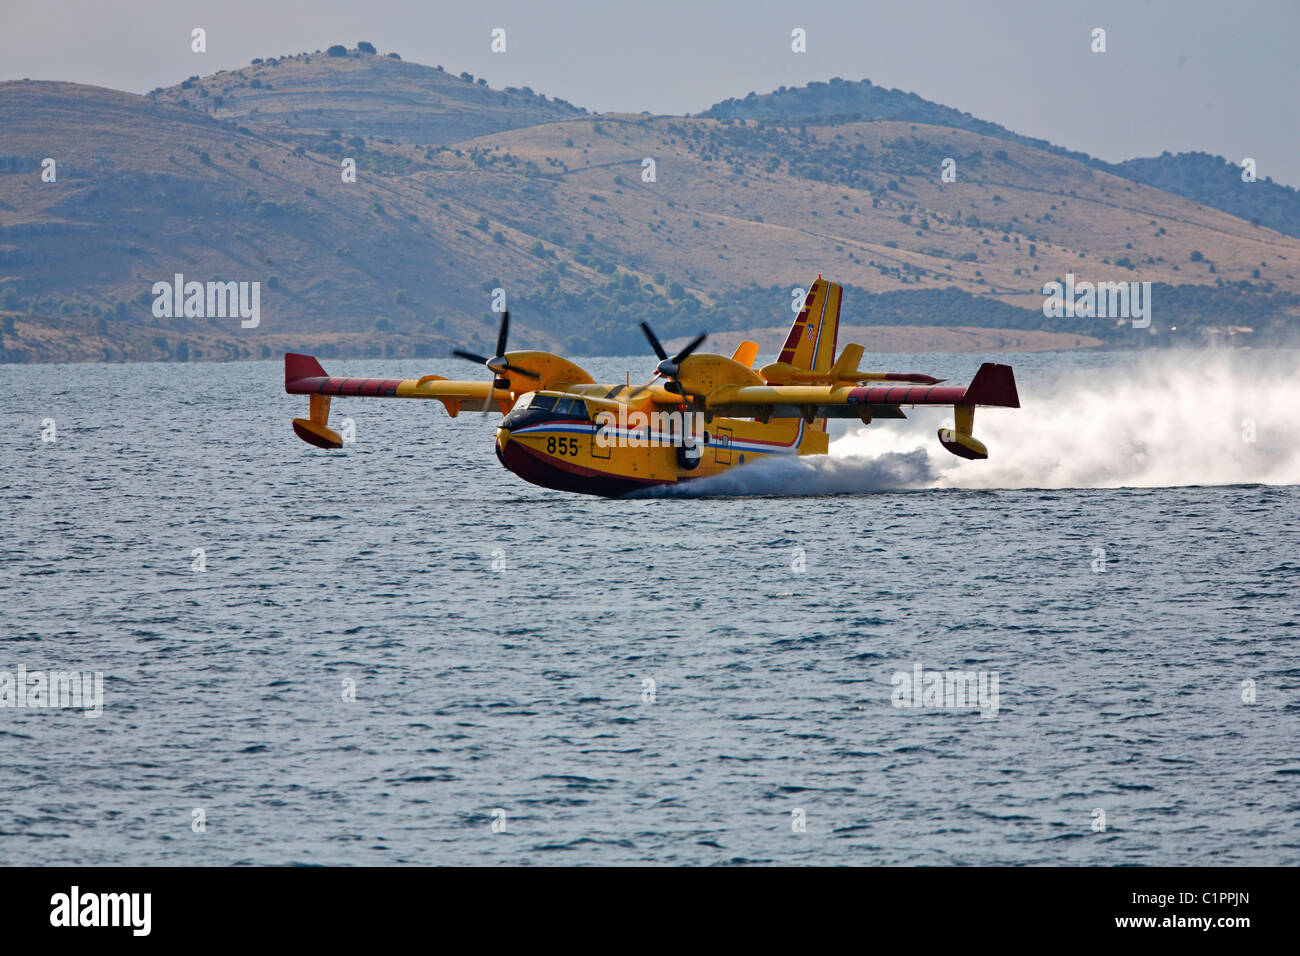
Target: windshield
571 407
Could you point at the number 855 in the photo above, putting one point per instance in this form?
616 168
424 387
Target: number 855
563 446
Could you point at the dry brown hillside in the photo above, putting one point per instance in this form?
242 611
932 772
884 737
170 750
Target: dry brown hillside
367 95
558 214
718 214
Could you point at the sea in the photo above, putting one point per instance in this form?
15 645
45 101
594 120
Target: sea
1084 650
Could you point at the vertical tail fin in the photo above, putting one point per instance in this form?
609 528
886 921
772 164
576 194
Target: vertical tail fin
745 354
811 342
298 366
993 384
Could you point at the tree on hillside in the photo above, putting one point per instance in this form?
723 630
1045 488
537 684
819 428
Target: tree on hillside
337 49
365 46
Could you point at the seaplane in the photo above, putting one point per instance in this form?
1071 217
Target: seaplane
698 415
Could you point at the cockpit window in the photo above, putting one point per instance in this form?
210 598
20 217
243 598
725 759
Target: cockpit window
558 405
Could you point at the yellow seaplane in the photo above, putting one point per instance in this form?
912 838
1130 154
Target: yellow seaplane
698 415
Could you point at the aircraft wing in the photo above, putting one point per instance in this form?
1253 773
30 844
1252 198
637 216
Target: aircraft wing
993 385
303 375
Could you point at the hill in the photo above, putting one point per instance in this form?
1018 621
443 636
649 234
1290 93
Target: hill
362 94
1216 182
862 101
564 216
1211 180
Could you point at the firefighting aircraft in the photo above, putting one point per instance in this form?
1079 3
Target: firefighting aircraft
698 415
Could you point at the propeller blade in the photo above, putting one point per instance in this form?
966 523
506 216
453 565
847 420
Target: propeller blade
520 371
694 344
491 395
503 333
470 356
637 391
654 342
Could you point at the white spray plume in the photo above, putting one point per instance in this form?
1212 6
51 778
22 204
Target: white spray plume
1159 420
808 475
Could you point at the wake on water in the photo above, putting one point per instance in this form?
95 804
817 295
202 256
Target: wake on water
1168 419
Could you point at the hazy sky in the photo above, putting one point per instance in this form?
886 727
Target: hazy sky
1223 77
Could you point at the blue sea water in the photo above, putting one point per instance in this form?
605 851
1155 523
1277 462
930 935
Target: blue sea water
1126 564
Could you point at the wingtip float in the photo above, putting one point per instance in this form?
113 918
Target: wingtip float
698 415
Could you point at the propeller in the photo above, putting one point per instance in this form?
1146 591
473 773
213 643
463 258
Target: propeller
668 367
497 363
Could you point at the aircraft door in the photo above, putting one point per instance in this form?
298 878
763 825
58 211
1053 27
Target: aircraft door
602 439
722 446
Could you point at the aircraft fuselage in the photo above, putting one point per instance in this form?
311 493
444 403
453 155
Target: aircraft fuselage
612 455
